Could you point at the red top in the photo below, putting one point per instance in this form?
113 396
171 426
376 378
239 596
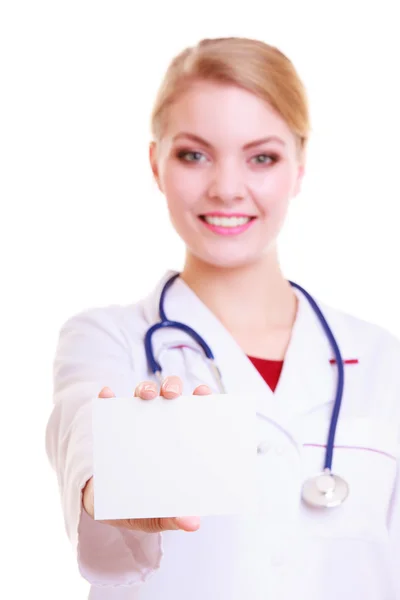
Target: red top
270 370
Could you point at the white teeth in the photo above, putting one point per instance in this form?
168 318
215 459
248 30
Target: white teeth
227 221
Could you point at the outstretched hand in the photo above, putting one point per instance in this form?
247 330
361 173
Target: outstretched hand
148 390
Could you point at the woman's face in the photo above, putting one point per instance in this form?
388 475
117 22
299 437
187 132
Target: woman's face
228 166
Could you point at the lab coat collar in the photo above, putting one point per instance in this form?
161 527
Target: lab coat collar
307 381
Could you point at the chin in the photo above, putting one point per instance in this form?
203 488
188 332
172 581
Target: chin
224 260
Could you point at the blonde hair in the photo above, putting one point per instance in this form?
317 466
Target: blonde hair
250 64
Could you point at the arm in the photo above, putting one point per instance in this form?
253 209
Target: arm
92 353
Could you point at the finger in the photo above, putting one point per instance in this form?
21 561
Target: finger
171 387
202 390
146 390
188 523
106 393
173 524
158 525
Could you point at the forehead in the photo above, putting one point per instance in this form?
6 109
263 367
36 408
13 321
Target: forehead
210 110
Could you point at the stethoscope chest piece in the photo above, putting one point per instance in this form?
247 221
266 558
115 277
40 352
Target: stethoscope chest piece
325 490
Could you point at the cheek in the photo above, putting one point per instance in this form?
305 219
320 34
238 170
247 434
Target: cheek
274 190
182 190
281 180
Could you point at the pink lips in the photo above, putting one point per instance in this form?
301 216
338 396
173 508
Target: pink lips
228 231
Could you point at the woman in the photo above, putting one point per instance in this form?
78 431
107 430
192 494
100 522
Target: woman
230 128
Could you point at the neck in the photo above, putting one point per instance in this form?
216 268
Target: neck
253 298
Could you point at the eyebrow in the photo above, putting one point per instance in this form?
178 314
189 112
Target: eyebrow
199 140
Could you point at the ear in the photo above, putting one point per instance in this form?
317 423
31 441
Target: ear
154 163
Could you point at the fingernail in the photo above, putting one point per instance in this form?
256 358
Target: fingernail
172 388
149 387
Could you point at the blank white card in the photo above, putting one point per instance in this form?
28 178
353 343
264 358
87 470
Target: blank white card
191 456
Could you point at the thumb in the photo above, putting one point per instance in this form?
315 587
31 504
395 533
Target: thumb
186 523
106 393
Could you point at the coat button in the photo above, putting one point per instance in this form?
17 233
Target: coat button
263 447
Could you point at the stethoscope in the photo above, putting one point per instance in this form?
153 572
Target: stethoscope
325 490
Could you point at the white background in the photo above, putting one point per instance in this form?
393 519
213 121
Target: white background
82 223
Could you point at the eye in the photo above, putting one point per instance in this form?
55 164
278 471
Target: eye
264 159
190 156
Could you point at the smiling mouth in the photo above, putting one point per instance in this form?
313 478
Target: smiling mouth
232 221
227 225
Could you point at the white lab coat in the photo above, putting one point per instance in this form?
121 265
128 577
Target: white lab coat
288 551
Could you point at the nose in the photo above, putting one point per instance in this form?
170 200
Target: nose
227 183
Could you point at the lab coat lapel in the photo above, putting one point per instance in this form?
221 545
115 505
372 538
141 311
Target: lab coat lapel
308 380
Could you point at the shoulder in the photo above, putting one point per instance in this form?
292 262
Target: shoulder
117 322
125 322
